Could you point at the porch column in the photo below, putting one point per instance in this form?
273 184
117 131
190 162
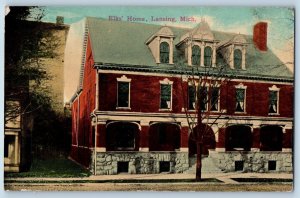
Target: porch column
144 136
184 138
255 129
287 139
101 136
220 142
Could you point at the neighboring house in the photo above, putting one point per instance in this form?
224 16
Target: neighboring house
128 112
19 123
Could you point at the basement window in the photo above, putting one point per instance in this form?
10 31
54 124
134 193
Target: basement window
164 166
239 165
272 165
123 167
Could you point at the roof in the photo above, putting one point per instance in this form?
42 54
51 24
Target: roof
124 43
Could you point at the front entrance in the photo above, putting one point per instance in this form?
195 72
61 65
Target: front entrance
209 141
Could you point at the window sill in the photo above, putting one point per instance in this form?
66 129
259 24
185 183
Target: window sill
273 114
237 112
169 110
123 108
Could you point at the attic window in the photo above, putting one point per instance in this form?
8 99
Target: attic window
196 54
164 52
237 59
207 56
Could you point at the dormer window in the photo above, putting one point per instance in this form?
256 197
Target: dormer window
196 54
207 56
164 52
161 45
237 59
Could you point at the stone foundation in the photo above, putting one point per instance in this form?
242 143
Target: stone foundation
258 161
140 162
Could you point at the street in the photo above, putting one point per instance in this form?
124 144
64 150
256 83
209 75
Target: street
257 187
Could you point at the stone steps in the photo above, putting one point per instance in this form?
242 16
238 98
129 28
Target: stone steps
208 165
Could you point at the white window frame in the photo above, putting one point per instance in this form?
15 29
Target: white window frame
274 88
241 86
219 98
166 81
127 80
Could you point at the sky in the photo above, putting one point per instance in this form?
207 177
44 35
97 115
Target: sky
228 19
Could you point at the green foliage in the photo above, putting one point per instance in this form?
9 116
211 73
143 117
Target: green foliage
28 42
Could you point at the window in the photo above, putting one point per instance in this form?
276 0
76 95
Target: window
121 136
164 166
238 138
207 56
238 59
165 96
239 165
240 100
196 53
192 98
164 52
123 94
203 98
123 167
9 144
271 165
214 102
273 102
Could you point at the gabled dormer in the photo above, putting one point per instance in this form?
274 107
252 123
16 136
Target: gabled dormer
199 46
234 51
161 45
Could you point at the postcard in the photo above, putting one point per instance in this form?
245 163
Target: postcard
149 98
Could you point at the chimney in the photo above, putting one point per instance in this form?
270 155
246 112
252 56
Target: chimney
260 36
59 20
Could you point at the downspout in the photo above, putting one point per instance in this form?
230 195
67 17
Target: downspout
78 108
96 120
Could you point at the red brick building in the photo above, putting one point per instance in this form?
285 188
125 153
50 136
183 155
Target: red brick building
128 112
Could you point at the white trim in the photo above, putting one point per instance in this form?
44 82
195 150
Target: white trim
123 79
220 149
166 81
103 116
101 149
139 73
144 149
184 149
287 150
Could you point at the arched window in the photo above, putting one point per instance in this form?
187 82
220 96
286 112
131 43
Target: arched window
122 136
164 52
207 56
238 137
164 137
237 59
271 138
196 54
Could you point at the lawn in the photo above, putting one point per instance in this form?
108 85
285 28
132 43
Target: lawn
62 168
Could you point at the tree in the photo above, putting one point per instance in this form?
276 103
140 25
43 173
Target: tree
201 93
27 44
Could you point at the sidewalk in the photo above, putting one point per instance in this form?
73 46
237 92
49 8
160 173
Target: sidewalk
224 177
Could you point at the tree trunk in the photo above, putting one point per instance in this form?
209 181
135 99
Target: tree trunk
199 162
